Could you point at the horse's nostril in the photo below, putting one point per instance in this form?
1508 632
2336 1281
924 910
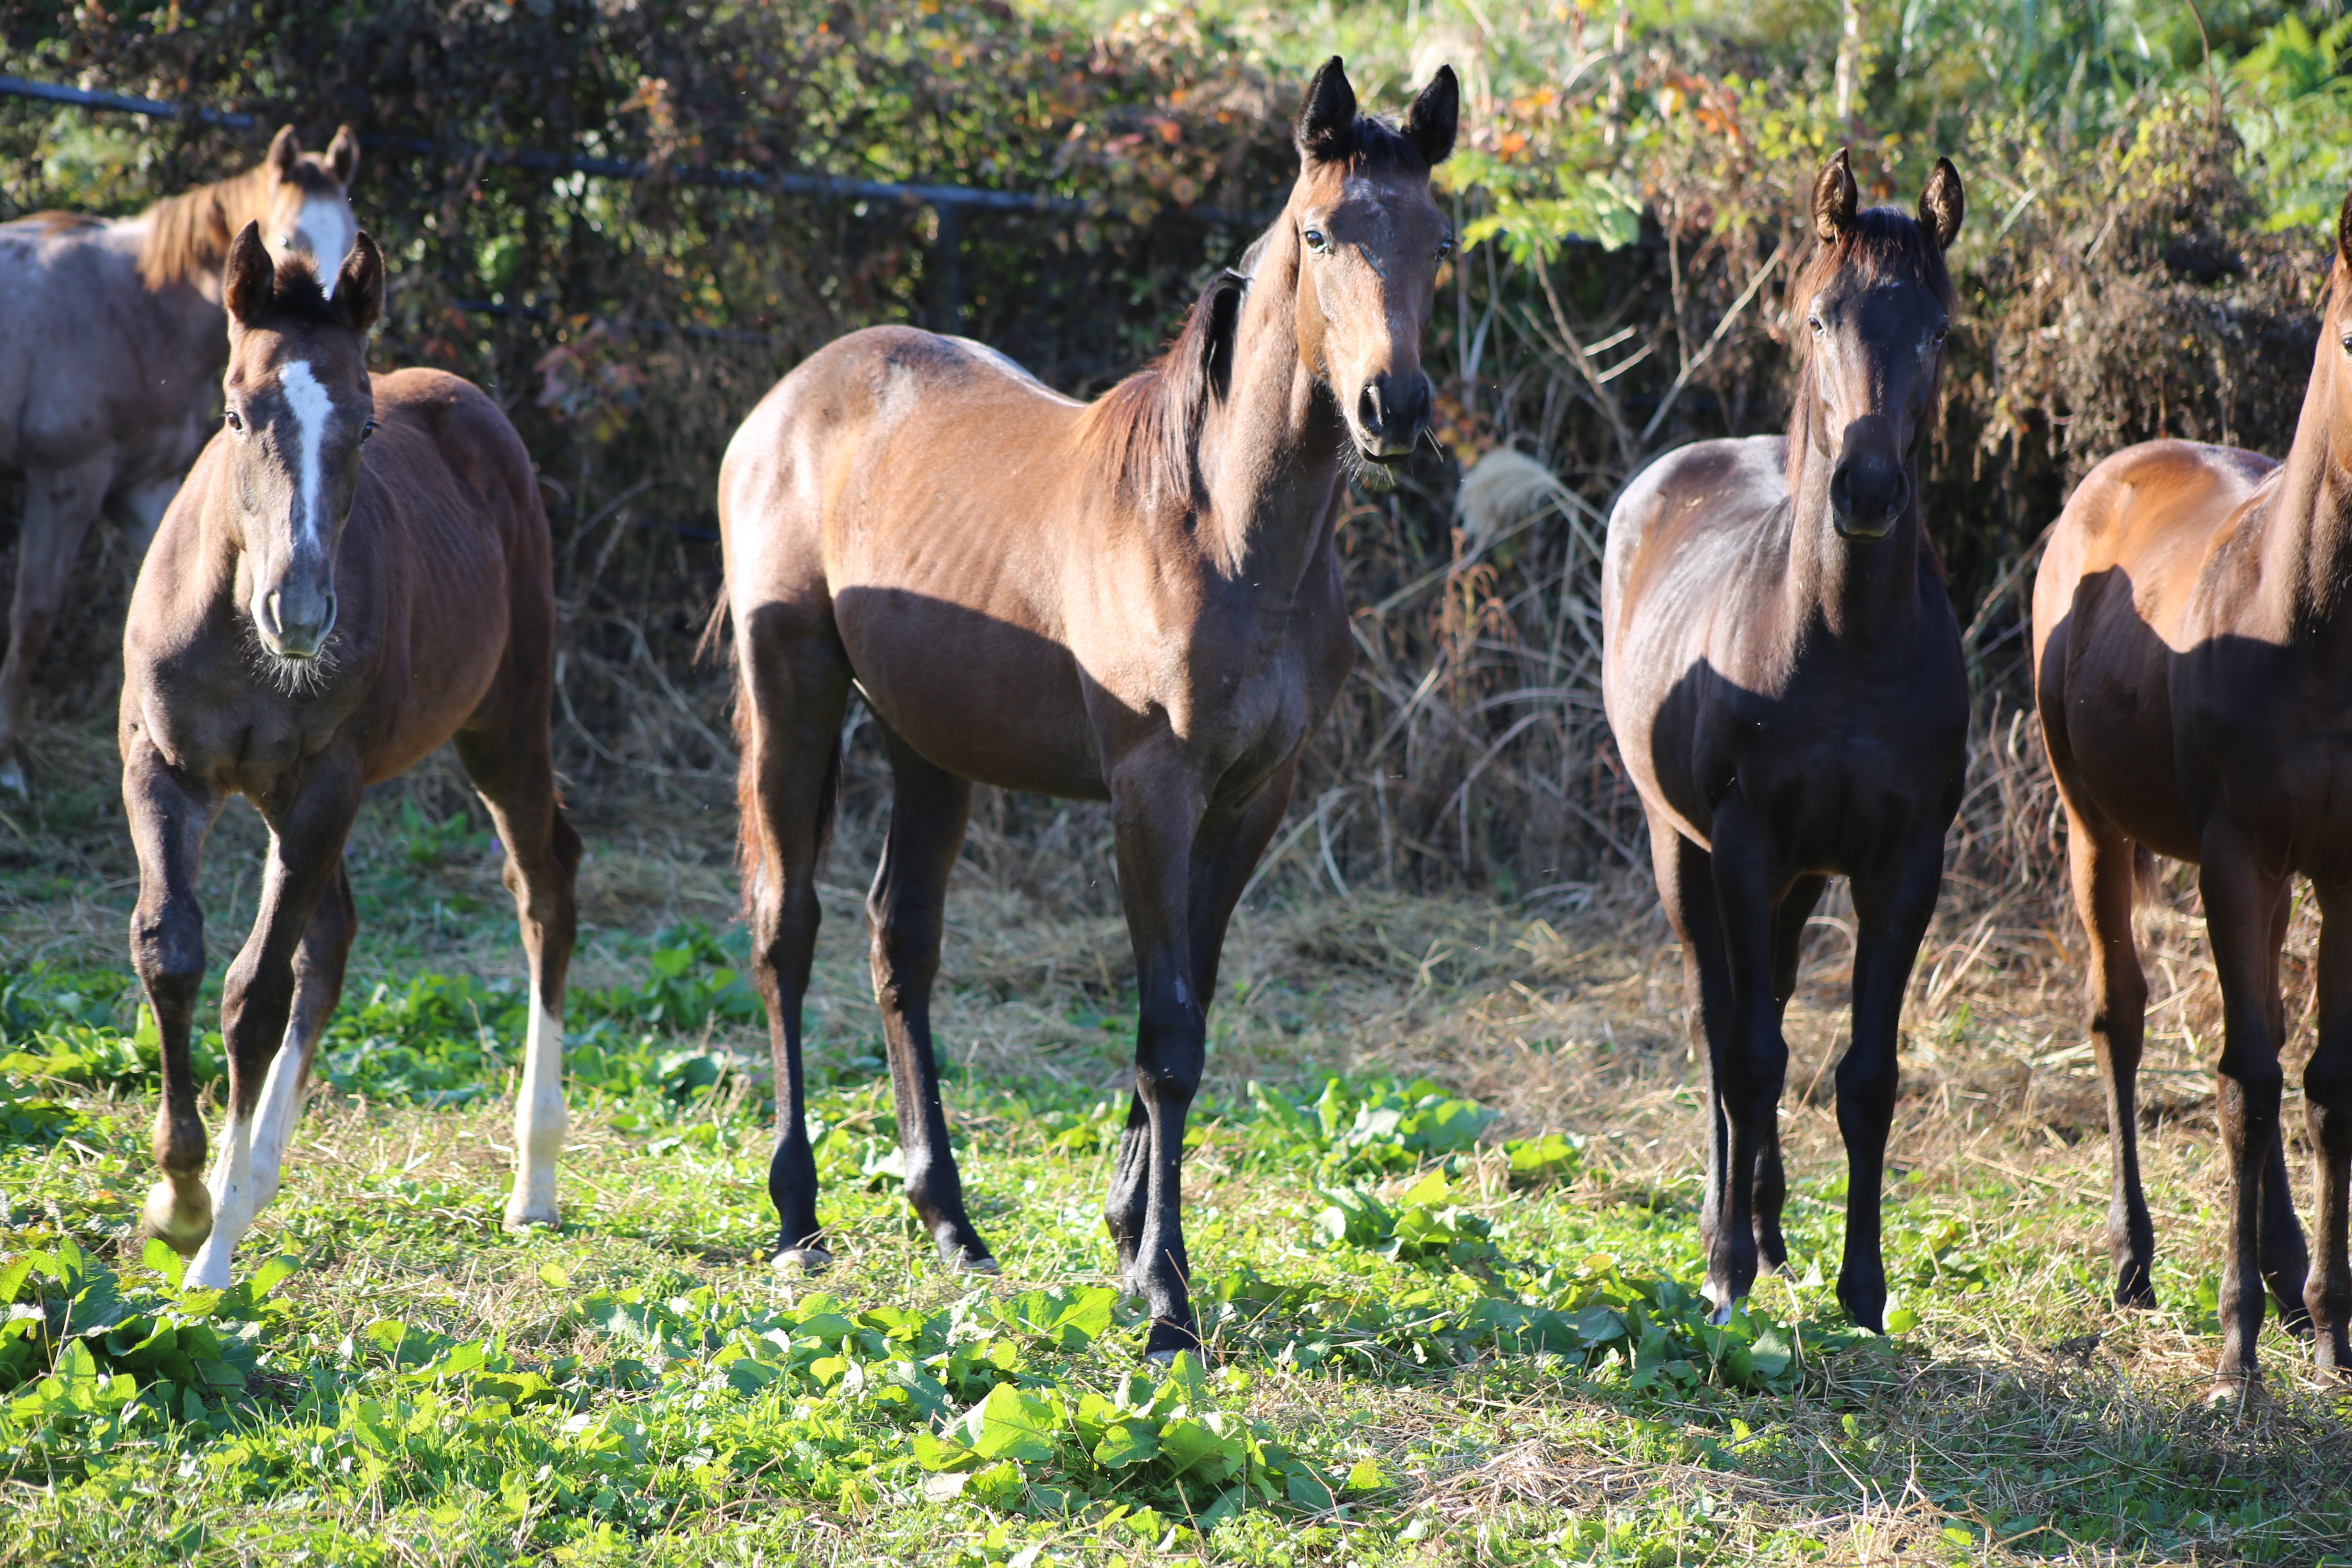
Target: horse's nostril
1368 406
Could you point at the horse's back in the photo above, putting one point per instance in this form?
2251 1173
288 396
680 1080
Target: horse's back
464 431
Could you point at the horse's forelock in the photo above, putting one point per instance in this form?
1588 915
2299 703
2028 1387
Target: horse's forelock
1881 245
297 298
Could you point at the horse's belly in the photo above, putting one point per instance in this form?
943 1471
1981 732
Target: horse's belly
975 695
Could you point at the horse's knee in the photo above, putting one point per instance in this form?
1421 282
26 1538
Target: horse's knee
167 950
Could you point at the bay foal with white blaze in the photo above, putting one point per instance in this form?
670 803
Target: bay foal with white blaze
312 619
1136 600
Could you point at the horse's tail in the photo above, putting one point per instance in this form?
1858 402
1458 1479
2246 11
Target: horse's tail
750 843
713 628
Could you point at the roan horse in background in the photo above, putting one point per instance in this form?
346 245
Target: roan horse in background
2193 668
1136 600
111 346
1783 676
311 620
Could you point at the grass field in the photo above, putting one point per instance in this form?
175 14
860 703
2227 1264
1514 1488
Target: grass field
1441 1201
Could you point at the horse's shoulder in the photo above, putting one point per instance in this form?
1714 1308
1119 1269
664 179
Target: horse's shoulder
1705 479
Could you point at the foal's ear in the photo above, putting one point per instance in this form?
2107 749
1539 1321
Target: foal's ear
284 153
1223 302
359 287
343 155
1941 204
1327 121
1834 198
2344 230
1429 124
250 275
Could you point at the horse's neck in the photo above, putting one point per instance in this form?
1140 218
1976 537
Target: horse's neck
1860 591
1271 451
2307 554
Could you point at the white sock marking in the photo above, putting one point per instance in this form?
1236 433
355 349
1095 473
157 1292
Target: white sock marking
244 1175
540 1122
307 399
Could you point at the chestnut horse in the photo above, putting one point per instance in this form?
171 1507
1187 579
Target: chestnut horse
312 619
1136 600
1783 676
111 344
2193 668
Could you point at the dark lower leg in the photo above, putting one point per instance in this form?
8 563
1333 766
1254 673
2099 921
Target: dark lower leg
1752 1064
2327 1115
2102 862
168 821
928 811
1787 947
2239 902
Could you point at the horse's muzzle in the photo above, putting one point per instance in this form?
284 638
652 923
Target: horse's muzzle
1866 497
294 622
1391 414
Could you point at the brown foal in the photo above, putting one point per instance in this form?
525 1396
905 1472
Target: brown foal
312 619
1137 601
2193 660
1783 676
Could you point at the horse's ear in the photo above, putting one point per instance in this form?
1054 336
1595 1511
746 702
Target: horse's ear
1941 204
1429 124
359 287
2344 230
343 155
249 277
1224 304
284 153
1834 198
1327 121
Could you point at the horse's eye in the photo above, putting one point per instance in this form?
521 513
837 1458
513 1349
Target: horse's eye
1316 242
285 242
1444 248
1821 328
236 421
367 430
1935 339
2347 343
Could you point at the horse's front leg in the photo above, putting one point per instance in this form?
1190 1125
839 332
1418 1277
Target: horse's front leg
1892 909
169 815
1752 1059
1157 807
2240 897
306 847
2328 1114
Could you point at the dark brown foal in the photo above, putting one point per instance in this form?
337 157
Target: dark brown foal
2193 661
1783 677
1136 600
312 619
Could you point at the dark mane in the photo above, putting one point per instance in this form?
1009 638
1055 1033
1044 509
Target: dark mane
1144 430
1880 244
1374 146
296 295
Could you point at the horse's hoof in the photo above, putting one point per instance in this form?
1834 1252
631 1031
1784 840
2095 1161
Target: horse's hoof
209 1272
801 1260
183 1230
967 1264
1722 1314
521 1217
12 778
2232 1390
1161 1359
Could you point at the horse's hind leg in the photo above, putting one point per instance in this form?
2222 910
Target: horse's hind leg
511 768
306 850
929 808
2287 1260
1788 945
60 505
2102 863
1685 877
2327 1113
794 688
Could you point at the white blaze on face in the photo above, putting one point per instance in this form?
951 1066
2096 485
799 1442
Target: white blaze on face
327 224
307 400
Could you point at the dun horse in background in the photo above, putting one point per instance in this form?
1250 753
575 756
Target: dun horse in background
111 345
1137 601
312 619
2193 668
1783 676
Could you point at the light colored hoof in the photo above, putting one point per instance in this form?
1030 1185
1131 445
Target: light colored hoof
209 1272
801 1260
182 1229
966 1263
1162 1359
521 1217
2233 1393
12 778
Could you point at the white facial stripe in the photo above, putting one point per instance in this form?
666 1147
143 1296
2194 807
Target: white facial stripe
328 224
307 399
